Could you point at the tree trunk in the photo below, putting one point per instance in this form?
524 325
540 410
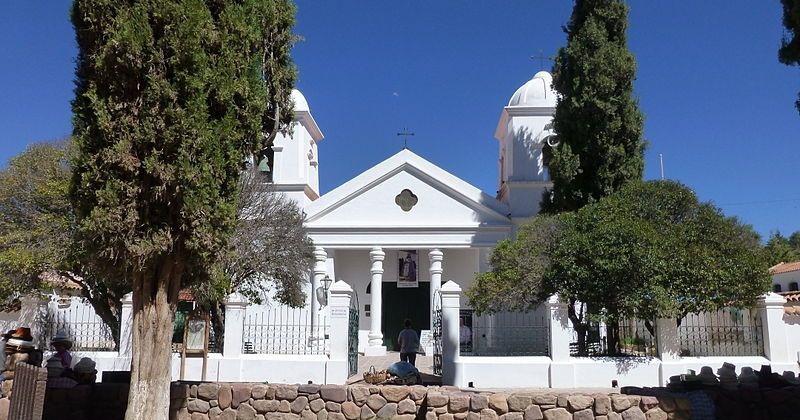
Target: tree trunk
579 327
155 297
612 337
218 324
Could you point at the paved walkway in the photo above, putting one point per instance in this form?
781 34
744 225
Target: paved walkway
423 363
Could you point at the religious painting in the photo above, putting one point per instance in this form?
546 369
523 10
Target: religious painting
407 264
195 334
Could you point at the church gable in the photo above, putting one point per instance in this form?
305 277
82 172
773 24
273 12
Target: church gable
406 191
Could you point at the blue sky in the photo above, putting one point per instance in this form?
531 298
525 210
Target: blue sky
718 105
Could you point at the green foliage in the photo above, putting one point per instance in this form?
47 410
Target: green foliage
782 249
789 52
597 119
171 97
650 250
524 259
35 217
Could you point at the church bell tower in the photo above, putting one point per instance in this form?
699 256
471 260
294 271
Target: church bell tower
295 162
524 128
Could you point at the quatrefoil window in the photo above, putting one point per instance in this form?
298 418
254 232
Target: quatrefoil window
406 200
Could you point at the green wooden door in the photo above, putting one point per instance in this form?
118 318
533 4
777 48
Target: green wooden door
413 303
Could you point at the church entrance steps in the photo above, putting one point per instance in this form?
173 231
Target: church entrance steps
423 363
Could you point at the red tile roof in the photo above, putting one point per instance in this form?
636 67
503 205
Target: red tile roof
793 296
792 305
785 267
185 295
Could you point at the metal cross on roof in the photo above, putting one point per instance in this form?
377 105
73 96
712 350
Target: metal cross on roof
405 133
542 58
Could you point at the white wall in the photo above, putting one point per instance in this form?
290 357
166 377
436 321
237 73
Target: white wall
792 323
785 278
504 372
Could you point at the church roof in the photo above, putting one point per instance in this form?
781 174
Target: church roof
300 102
407 200
537 92
406 159
784 267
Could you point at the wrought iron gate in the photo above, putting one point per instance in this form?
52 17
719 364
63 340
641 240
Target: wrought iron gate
352 337
436 325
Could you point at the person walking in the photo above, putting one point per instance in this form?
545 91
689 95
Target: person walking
409 343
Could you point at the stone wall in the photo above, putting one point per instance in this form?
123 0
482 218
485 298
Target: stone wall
215 401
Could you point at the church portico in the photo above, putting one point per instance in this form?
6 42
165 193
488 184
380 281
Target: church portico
385 298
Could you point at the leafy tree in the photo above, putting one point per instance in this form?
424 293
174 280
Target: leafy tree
171 98
597 120
35 217
36 228
526 260
268 252
650 250
789 52
782 249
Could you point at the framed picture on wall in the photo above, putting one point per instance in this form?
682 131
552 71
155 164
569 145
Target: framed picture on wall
407 266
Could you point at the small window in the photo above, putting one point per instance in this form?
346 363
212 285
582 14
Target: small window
776 288
367 309
793 286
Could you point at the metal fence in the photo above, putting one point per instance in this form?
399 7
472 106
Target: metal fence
505 334
284 330
728 332
81 324
630 338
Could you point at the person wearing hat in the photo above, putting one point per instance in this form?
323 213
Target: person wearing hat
19 348
61 344
55 375
85 371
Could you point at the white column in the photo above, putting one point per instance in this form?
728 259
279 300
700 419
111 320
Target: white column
320 270
235 306
125 326
776 347
562 369
339 304
436 257
669 349
667 339
376 347
451 345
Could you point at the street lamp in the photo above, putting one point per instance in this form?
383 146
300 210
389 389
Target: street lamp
322 291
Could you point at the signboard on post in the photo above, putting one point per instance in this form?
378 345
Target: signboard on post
195 340
426 342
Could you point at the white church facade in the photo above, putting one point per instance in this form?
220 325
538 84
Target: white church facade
396 231
405 239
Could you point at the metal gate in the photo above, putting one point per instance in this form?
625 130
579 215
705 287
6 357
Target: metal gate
437 333
352 337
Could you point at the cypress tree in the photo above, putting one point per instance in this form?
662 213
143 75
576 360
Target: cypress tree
597 119
789 53
171 98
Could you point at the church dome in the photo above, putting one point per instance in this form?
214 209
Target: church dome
535 92
300 103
